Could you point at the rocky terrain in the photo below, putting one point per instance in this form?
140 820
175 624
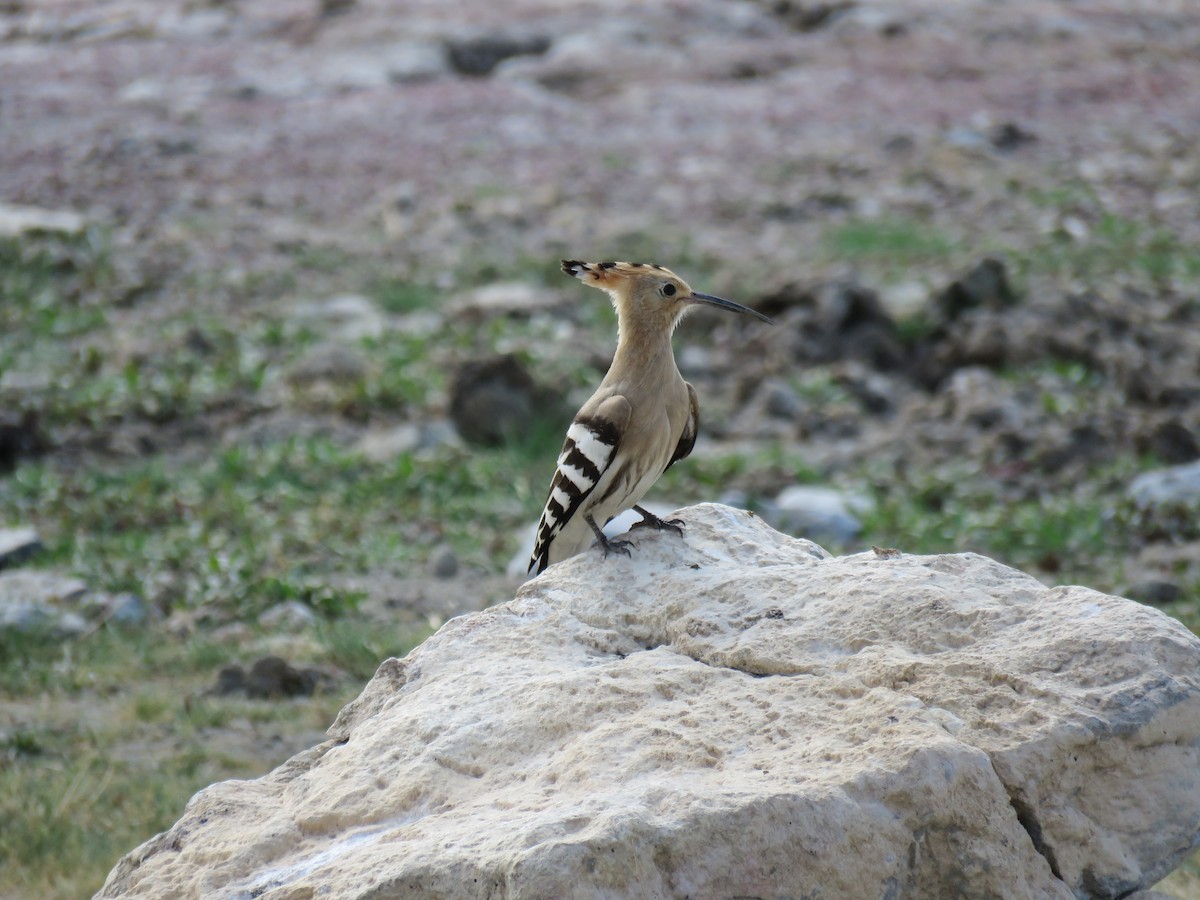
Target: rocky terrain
285 359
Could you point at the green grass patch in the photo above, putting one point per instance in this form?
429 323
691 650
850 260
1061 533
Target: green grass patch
67 824
1116 245
401 296
125 733
1078 535
248 527
889 242
102 660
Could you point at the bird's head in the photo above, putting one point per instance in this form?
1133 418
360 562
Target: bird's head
646 296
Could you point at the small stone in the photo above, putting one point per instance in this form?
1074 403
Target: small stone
985 286
335 7
1009 136
736 498
405 62
348 318
1155 592
904 300
493 399
230 680
443 562
816 512
16 221
23 616
38 586
517 298
479 56
1170 441
21 436
68 625
383 446
291 616
782 401
127 609
1161 487
272 677
330 363
17 545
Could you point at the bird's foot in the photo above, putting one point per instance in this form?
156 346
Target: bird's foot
650 520
609 545
612 545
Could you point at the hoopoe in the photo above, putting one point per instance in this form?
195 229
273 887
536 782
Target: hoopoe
641 421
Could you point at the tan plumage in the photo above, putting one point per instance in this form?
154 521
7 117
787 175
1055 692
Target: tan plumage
642 419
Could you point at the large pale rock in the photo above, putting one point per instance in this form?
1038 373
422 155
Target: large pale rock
734 713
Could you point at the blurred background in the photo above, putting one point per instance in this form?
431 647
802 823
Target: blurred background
286 358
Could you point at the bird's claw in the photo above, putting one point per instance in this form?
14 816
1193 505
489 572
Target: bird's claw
615 546
649 520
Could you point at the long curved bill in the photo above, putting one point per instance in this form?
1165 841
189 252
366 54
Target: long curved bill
710 300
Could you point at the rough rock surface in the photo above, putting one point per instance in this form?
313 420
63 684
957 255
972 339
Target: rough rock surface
734 713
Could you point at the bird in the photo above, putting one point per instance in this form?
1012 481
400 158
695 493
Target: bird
642 419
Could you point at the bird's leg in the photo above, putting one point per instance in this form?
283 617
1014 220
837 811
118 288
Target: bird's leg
650 520
609 545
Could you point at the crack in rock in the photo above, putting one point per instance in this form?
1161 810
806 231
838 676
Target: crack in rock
1028 820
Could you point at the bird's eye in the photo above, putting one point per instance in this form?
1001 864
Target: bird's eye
667 290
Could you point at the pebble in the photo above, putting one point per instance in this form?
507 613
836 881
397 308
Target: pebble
347 318
385 445
480 55
1159 487
1155 592
984 286
493 399
328 362
115 609
504 298
268 678
782 401
17 545
290 615
16 221
443 562
818 513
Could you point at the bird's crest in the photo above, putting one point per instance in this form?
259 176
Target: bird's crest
605 275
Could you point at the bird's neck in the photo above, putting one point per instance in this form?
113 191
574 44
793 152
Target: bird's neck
646 358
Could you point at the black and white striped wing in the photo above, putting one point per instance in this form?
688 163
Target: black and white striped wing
588 451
